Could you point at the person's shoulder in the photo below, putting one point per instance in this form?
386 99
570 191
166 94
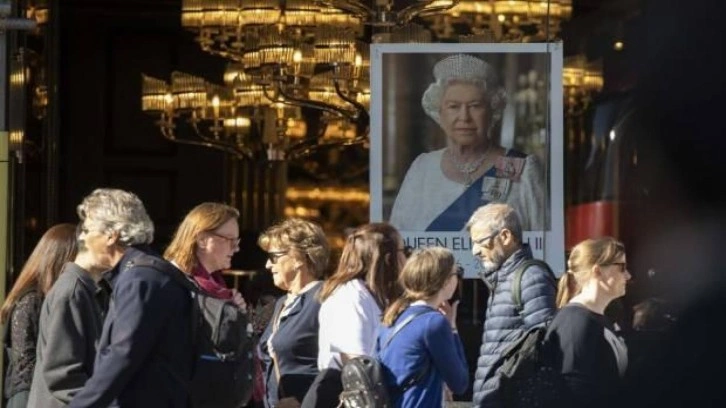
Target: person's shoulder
576 319
352 291
153 270
65 285
536 270
427 317
29 298
429 157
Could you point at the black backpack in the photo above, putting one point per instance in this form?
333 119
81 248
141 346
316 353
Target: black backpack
362 377
527 372
223 345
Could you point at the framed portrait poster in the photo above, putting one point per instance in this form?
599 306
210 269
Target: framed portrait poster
456 126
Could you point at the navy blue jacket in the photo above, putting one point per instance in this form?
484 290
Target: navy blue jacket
503 324
296 348
145 353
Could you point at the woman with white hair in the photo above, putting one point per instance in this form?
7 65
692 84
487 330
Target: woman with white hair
443 188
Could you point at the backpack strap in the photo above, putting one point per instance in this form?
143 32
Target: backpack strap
404 323
422 373
517 280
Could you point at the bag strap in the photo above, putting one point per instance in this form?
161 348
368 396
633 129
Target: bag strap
517 281
180 277
404 323
397 329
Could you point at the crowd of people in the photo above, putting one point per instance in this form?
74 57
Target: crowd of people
88 325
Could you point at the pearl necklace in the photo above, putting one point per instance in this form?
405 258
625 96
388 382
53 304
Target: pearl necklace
467 168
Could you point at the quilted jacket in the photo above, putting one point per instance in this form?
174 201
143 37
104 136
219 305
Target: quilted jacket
503 324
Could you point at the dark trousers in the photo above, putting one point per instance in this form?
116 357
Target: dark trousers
325 390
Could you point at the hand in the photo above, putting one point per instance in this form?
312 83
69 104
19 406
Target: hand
289 402
239 300
449 311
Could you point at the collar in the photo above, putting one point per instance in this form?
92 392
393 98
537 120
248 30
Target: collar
109 277
293 303
305 288
81 274
509 265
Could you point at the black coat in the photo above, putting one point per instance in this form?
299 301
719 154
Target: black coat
145 354
71 321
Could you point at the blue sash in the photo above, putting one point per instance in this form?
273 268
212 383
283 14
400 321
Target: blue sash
457 214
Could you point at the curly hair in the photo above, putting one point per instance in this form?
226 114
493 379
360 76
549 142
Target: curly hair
114 210
304 236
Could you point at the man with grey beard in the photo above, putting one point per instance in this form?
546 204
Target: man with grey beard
496 235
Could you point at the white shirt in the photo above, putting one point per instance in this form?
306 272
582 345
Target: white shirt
349 320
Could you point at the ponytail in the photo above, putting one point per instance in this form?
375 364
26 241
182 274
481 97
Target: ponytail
566 289
395 310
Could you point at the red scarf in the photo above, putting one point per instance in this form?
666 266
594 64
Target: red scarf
212 283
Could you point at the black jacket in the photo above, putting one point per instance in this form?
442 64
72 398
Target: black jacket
71 320
145 354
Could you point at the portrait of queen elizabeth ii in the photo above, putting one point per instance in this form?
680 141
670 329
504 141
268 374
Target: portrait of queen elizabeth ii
442 188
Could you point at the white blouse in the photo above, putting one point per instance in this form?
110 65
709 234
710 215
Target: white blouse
349 320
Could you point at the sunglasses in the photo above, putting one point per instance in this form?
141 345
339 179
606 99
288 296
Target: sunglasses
275 256
459 271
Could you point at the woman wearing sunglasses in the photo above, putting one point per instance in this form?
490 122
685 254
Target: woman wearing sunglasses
587 350
364 283
298 257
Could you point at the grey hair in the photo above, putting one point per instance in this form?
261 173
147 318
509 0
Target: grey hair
113 210
463 68
496 217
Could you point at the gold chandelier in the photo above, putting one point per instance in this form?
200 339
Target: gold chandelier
284 55
289 56
502 20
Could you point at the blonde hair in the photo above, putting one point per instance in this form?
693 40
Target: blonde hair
203 218
424 275
305 237
585 255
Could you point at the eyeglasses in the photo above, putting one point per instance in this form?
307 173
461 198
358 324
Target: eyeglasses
231 241
275 256
482 241
407 250
459 272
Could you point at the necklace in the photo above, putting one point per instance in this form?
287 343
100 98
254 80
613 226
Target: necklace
467 168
